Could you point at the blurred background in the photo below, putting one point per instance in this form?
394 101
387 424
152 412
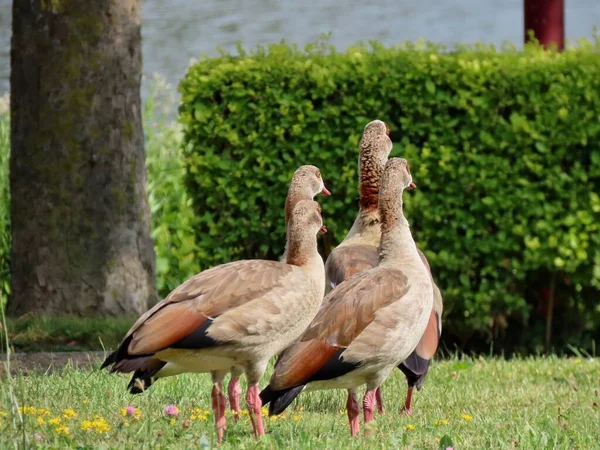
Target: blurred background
114 191
174 31
509 276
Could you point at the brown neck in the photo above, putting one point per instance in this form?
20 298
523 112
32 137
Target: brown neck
394 228
370 177
293 197
390 209
299 248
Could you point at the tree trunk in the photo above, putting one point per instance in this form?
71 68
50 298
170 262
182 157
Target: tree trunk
79 211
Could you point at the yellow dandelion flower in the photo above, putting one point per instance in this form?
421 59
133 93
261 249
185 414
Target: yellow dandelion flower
440 422
410 427
55 421
173 422
343 411
192 417
28 410
297 417
199 412
100 425
264 411
63 431
123 412
42 412
466 417
273 418
69 414
41 421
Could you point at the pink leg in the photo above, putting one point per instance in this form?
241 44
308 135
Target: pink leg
369 402
235 391
407 408
379 399
254 406
353 412
219 403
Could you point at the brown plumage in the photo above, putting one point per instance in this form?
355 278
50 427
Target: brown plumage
359 251
344 262
307 182
369 323
339 323
416 366
234 315
375 146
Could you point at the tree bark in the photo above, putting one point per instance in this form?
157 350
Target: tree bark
79 211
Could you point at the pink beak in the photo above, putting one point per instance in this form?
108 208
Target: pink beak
323 229
412 186
325 191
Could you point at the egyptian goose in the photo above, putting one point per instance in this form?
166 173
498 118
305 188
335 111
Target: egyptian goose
415 367
306 184
368 324
359 251
235 314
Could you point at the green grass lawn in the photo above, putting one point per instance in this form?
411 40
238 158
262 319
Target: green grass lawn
41 333
478 404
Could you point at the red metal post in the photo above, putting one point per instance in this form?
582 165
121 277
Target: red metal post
546 18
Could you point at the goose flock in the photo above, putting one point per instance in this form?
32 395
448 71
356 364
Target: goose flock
371 307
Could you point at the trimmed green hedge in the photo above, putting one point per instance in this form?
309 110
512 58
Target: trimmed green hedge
172 216
504 146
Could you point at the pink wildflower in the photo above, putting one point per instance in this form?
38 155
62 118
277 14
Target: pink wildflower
171 410
130 410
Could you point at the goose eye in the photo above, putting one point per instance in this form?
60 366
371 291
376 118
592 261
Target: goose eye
387 129
319 209
319 174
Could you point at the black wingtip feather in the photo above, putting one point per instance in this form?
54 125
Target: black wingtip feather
110 359
266 395
119 354
415 369
280 400
142 378
139 383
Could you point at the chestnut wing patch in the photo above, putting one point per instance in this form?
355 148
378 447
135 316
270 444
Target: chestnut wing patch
346 312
